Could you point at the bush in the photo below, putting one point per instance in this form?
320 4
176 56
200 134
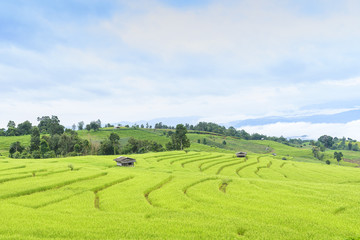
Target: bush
50 154
72 154
327 162
71 167
25 155
36 154
284 158
16 155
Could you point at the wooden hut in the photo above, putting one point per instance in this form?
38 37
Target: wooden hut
241 154
125 161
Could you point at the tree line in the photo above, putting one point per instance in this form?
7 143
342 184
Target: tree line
111 145
58 141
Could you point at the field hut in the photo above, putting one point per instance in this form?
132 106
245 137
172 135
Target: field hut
125 161
274 154
241 154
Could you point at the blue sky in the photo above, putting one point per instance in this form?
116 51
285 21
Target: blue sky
222 61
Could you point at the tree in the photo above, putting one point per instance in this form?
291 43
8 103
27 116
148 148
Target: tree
338 156
142 146
328 141
98 122
322 147
350 146
231 131
54 143
73 127
81 125
11 124
355 147
106 147
179 138
16 147
44 147
11 129
24 128
77 148
114 139
243 134
50 125
94 125
224 142
88 127
35 139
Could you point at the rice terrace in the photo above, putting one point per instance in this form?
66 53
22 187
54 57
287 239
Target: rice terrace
179 120
191 194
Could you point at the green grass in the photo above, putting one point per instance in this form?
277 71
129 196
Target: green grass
5 142
178 195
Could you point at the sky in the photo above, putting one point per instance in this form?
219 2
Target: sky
219 61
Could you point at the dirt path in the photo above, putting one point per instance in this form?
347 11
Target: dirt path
356 161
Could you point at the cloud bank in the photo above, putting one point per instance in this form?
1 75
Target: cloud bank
311 130
139 60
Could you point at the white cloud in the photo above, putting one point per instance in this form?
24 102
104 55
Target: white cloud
246 34
312 130
352 82
150 60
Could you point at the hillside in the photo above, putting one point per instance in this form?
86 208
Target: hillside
177 195
214 143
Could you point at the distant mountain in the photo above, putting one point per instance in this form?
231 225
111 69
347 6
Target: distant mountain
342 117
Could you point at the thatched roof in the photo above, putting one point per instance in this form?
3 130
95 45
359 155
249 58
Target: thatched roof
241 154
122 159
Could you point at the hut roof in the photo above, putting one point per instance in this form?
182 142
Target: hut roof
122 159
241 152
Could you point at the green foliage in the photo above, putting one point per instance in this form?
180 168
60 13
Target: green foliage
81 125
50 125
17 148
35 139
71 167
24 128
107 148
338 156
111 145
44 147
179 138
326 140
94 125
36 154
141 146
49 154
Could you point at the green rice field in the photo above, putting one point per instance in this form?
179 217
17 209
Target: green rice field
178 195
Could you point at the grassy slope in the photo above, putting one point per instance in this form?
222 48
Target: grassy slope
5 143
174 195
214 144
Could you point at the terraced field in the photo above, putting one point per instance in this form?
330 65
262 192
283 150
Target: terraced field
178 195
